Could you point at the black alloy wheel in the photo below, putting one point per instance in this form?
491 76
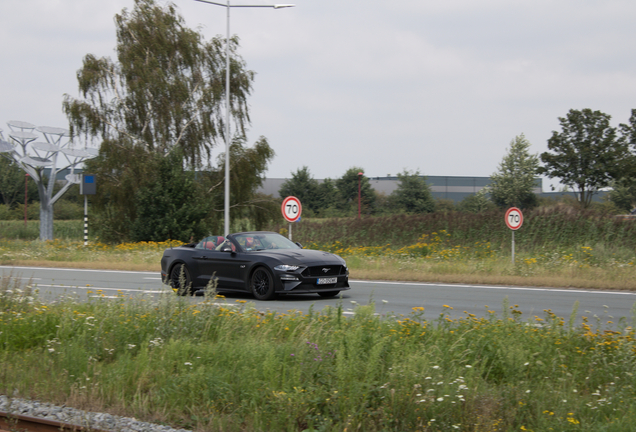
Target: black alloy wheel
262 284
180 279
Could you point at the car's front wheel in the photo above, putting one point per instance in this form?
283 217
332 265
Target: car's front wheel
180 279
262 284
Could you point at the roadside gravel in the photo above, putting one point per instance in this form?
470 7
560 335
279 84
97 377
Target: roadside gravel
77 417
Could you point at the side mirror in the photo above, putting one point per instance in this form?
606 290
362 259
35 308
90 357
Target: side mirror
226 248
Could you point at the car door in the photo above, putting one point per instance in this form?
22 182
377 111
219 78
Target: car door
228 267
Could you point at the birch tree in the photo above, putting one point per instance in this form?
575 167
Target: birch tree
165 91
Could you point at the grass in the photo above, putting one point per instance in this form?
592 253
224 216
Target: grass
544 227
434 257
62 229
220 366
69 253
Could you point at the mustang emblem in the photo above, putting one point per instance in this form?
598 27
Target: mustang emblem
325 270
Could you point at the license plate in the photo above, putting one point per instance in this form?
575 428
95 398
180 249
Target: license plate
326 281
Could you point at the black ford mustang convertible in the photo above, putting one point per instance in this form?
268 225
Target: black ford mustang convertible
263 263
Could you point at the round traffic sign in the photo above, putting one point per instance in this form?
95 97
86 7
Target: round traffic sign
514 218
291 209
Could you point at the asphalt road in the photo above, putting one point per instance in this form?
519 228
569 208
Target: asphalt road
391 298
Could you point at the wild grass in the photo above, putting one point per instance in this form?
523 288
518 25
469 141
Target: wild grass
438 258
226 366
432 258
62 229
544 227
70 253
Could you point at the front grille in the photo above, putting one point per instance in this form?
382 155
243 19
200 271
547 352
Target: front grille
327 270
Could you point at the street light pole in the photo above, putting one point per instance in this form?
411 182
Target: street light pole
226 211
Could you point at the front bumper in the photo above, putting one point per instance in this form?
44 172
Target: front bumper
294 282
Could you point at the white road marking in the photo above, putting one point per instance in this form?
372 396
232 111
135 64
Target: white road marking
503 287
80 270
94 288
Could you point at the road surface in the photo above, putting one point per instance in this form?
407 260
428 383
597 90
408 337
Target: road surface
391 298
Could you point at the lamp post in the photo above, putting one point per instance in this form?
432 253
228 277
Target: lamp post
226 213
360 174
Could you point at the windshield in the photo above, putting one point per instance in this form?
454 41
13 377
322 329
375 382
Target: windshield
262 241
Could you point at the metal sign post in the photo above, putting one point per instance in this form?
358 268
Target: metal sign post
291 209
87 187
514 220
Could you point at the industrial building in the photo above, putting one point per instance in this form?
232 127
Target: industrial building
447 187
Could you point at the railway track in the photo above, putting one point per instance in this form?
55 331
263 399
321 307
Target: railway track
20 423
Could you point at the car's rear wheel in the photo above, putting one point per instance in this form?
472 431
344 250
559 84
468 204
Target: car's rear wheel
180 279
262 284
328 293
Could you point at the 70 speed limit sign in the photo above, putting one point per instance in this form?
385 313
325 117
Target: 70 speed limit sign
514 218
291 209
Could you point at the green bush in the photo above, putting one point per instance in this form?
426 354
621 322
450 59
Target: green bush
5 212
543 227
15 229
68 210
17 212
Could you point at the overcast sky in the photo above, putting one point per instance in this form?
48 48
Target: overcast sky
436 86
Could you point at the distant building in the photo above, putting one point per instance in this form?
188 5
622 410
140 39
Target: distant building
454 188
447 187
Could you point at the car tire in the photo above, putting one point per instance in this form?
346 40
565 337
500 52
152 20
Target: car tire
176 279
262 284
327 294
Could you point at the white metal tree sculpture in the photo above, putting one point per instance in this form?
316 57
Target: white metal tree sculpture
34 156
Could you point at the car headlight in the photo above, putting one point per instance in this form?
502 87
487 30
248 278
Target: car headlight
285 267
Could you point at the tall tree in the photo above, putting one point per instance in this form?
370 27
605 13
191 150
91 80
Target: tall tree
347 186
327 199
628 131
623 193
303 186
164 92
512 185
586 155
413 194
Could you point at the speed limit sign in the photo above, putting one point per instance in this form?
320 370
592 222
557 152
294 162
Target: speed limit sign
514 218
291 209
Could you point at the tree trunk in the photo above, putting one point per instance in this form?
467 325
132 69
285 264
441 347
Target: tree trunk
46 222
46 214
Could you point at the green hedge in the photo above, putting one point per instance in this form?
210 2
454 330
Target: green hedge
542 227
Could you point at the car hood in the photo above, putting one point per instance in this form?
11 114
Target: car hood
306 257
